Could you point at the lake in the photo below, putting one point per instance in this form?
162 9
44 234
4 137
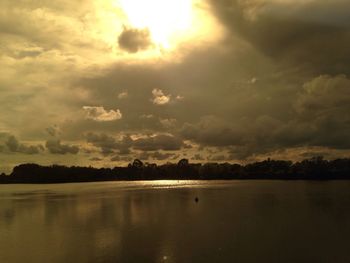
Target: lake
161 221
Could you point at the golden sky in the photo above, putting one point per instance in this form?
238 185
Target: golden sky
101 82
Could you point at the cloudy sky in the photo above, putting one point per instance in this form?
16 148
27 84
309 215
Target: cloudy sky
101 82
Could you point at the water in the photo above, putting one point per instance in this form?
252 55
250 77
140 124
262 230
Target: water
160 221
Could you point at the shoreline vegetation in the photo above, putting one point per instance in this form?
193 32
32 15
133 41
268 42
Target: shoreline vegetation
315 168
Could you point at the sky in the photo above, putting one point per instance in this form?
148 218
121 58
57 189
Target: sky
102 82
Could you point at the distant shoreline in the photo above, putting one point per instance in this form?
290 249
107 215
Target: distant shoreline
310 169
137 180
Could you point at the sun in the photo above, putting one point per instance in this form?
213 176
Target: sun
153 30
168 21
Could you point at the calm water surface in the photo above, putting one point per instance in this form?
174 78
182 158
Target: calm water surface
159 221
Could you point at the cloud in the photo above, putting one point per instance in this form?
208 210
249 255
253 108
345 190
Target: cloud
168 123
146 116
213 131
109 144
56 147
325 95
100 114
319 118
162 156
106 143
209 68
96 159
123 95
323 108
159 98
158 142
156 156
29 52
242 138
290 31
198 157
14 145
133 40
119 158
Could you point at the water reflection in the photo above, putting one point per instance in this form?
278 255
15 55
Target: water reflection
161 222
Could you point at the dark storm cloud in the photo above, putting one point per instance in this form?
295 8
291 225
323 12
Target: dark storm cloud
242 138
193 79
312 34
106 143
109 144
320 118
56 147
13 145
254 116
158 142
213 131
324 104
133 40
325 96
321 115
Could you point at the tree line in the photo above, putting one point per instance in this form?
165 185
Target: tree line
315 168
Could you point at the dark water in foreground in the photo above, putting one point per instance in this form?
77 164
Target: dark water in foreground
159 221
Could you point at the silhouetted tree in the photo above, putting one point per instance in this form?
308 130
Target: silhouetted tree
183 163
137 163
315 168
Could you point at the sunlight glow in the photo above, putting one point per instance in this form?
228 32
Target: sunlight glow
167 20
157 30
